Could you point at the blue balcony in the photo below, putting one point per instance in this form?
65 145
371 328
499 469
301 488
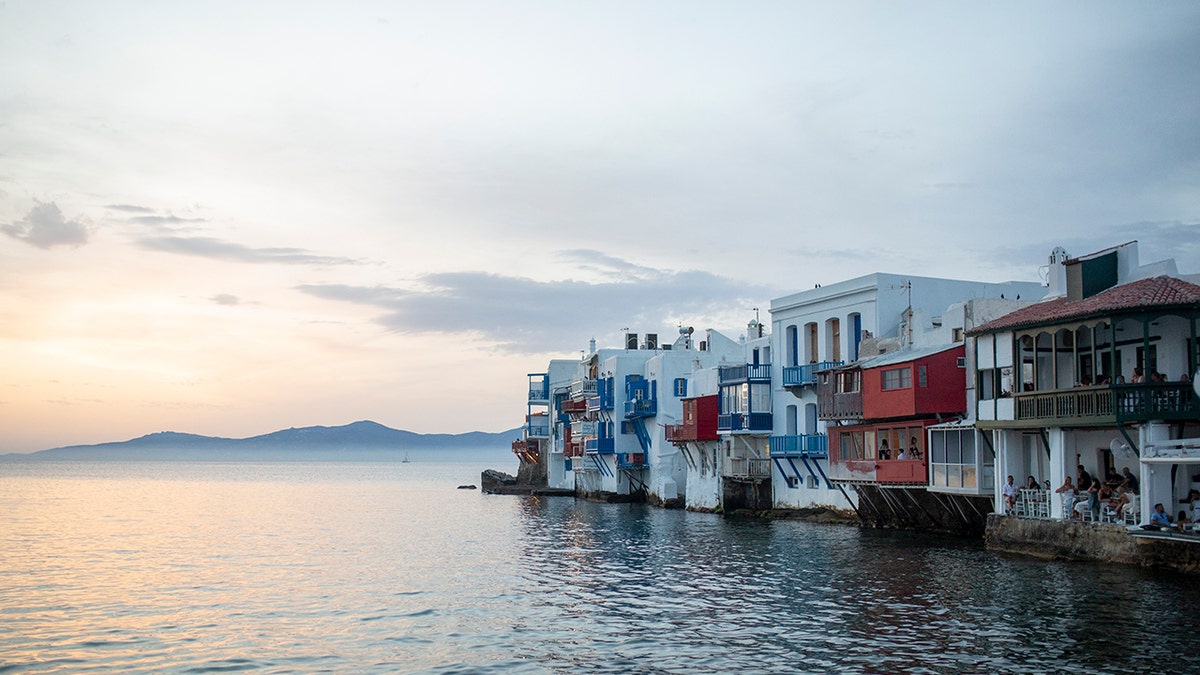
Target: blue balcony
806 375
641 408
538 429
631 460
802 445
539 388
751 422
750 372
599 446
641 397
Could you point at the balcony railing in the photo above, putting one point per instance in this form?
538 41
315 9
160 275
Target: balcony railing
744 422
802 445
645 407
687 432
537 430
840 406
806 375
599 446
745 373
572 407
631 460
1165 401
581 389
749 467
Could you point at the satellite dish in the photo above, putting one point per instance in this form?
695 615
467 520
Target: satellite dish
1121 448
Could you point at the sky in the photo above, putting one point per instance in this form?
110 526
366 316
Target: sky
228 218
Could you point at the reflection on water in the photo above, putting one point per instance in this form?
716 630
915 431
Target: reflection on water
188 567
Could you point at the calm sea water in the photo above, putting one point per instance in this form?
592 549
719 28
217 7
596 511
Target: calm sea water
359 568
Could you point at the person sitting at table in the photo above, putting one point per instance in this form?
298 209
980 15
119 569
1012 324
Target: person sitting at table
1083 479
1119 502
1010 495
1090 501
1032 484
903 454
1160 517
1112 478
1131 482
1067 489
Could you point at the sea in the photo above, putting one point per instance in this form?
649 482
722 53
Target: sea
357 567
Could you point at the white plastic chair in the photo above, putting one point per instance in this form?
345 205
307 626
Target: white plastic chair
1133 511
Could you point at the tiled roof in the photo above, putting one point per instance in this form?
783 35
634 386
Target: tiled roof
1160 291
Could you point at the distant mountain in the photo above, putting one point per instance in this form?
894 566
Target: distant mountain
363 440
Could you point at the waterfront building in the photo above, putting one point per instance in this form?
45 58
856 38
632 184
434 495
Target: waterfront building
1096 375
545 437
631 396
744 423
824 328
699 443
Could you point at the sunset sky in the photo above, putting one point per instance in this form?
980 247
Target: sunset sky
231 218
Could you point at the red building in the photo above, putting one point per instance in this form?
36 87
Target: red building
882 406
699 421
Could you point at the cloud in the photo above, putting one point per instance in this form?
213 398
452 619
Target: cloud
525 315
226 299
129 208
216 249
168 219
45 227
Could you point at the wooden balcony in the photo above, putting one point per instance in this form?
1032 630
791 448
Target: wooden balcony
1107 405
573 407
839 405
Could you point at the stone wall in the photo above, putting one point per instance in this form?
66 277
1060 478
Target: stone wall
1072 540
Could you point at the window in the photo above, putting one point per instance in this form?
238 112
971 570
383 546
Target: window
680 387
921 376
957 334
897 378
952 458
906 441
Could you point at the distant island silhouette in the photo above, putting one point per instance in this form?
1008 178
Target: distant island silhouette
364 440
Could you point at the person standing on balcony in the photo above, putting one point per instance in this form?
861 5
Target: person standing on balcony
1137 377
884 452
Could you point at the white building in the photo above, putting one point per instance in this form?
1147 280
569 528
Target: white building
825 327
1097 375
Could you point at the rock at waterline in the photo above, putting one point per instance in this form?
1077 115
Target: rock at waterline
494 481
467 487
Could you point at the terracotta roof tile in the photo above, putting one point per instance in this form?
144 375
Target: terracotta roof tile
1162 291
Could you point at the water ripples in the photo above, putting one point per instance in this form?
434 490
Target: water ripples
198 568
